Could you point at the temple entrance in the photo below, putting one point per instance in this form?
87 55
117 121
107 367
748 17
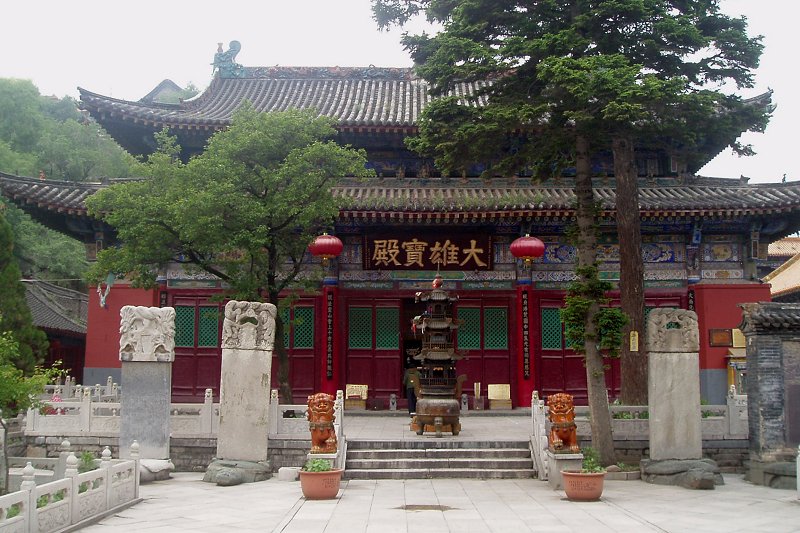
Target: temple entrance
379 336
373 346
485 339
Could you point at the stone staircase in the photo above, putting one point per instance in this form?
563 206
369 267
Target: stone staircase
426 459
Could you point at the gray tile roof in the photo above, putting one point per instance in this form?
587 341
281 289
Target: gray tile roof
502 197
355 97
56 308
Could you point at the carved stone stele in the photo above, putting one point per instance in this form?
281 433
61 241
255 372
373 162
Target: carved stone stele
249 325
147 334
672 331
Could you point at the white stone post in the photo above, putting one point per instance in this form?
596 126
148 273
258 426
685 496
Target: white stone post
674 385
248 338
147 350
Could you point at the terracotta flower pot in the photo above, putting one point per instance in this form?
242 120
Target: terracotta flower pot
320 485
583 487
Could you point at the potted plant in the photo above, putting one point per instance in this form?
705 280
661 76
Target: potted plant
585 485
319 480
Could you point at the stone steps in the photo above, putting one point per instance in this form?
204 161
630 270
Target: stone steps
438 459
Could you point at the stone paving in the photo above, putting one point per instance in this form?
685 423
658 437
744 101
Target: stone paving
185 503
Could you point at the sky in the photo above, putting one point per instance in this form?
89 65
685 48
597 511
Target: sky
125 48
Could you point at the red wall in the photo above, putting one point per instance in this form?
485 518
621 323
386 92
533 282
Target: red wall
717 308
102 330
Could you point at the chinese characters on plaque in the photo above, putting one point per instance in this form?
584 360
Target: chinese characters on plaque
457 251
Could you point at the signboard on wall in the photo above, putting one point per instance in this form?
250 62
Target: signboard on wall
423 249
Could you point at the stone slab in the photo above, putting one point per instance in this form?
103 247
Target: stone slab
145 408
674 400
244 405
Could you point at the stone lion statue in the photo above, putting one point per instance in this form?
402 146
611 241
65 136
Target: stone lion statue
320 423
563 436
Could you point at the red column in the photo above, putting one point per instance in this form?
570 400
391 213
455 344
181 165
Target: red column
330 360
525 381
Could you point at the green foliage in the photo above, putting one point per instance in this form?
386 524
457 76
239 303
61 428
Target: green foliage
39 133
87 462
15 316
14 510
21 119
19 392
318 465
604 69
624 467
591 461
41 252
244 210
582 294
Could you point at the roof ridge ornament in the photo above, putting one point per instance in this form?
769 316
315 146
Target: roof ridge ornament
224 62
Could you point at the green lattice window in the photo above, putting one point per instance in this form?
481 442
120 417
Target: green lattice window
552 337
387 328
469 332
495 328
303 327
184 325
359 334
208 327
287 325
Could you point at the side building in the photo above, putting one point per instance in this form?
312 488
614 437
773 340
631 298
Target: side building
703 239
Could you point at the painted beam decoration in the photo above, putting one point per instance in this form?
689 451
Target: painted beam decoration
423 250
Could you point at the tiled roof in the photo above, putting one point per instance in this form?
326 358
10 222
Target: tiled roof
500 197
786 247
355 97
770 316
56 308
60 196
695 197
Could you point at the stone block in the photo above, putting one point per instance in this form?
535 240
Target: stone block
557 463
674 398
289 473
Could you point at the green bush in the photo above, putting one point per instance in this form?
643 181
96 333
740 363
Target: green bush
318 465
86 463
591 461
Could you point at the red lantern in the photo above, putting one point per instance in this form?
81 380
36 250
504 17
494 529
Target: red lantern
527 248
327 247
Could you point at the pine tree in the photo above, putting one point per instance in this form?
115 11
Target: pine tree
15 316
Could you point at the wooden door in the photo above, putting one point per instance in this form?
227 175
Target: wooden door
484 337
300 327
198 357
372 346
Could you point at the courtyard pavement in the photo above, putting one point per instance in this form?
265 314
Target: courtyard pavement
185 503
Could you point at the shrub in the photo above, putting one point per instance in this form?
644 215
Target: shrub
318 465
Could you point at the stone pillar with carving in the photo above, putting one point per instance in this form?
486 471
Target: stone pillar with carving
146 352
248 339
676 441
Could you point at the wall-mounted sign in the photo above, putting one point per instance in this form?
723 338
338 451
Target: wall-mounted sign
526 345
415 250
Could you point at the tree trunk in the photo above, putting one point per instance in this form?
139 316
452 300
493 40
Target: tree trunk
633 363
284 387
602 439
